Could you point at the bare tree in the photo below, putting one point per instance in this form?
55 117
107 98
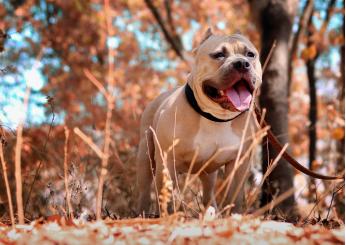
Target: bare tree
341 98
340 200
311 67
275 21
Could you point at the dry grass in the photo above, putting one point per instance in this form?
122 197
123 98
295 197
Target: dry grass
166 192
18 168
254 194
8 190
164 195
68 194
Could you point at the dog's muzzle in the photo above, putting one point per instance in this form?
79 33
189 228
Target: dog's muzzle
235 91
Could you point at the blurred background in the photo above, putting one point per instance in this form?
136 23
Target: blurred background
56 52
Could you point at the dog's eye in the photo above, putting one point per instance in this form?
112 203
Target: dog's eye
218 55
250 54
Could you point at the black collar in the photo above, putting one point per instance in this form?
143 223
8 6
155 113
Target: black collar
193 102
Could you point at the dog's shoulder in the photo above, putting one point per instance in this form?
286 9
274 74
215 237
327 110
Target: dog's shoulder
154 105
148 115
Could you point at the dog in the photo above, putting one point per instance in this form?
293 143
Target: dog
206 114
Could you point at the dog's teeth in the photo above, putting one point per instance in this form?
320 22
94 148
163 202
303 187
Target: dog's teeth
221 93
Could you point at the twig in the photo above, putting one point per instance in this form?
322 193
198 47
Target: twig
240 150
152 169
174 160
260 134
21 211
194 157
196 198
89 142
110 107
104 163
333 196
50 102
8 190
331 202
18 151
264 67
68 195
266 174
98 85
323 196
164 194
274 202
264 111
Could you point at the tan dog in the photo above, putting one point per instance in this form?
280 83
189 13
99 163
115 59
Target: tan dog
206 114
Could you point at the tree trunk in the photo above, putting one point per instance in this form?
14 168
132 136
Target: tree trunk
312 111
275 22
310 66
340 199
341 99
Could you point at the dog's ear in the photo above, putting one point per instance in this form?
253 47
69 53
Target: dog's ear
206 35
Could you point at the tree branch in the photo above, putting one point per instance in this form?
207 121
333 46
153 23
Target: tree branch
329 13
302 25
172 39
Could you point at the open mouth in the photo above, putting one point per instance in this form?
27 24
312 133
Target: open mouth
238 96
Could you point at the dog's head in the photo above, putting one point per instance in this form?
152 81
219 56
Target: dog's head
225 73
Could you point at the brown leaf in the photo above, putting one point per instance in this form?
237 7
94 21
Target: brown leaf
338 133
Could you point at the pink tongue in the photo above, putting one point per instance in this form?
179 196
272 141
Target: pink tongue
240 96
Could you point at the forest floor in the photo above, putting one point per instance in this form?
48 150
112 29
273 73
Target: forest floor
236 229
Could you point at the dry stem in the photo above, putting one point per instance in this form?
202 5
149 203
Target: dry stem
110 107
270 168
274 202
18 150
152 169
164 196
8 190
104 163
269 56
194 158
97 84
240 150
259 136
68 195
89 142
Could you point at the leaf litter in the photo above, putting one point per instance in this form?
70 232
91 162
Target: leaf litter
174 229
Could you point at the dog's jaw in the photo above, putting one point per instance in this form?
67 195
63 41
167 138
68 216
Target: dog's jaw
209 106
235 96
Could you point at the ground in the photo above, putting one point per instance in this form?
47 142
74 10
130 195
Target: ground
170 230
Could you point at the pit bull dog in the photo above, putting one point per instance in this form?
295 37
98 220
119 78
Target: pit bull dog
206 114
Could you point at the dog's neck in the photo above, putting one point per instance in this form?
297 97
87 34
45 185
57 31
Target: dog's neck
194 104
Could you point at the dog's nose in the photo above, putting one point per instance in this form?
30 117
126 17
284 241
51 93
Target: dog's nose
241 65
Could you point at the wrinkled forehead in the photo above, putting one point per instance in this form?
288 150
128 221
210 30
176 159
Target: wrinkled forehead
235 41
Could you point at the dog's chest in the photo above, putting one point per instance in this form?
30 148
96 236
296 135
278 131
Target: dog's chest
217 143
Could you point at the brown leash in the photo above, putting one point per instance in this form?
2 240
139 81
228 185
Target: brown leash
278 147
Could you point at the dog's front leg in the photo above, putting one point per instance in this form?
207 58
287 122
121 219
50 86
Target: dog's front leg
145 163
208 183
